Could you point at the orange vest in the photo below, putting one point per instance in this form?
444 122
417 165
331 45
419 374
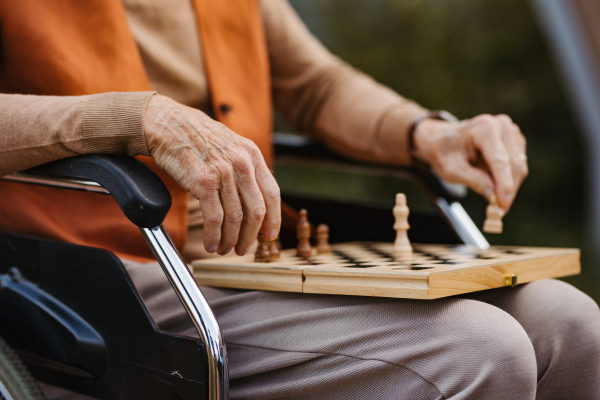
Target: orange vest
75 47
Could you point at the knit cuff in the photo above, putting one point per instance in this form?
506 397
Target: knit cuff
113 123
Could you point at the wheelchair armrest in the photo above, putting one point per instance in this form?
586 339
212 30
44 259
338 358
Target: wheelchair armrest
145 200
303 148
142 196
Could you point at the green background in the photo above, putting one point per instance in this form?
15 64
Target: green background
468 57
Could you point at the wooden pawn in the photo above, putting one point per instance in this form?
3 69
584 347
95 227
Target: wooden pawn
262 251
274 249
323 246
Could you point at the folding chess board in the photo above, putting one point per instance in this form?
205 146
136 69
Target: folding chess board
369 269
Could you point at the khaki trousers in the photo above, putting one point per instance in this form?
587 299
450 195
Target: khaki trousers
535 341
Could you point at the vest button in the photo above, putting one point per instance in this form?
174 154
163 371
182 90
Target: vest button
225 109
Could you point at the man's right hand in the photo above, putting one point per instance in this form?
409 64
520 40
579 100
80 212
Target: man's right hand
224 171
487 153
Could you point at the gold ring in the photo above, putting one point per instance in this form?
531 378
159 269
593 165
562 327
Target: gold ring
523 157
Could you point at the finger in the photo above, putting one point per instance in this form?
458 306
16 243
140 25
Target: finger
477 179
233 212
271 194
516 145
487 139
254 207
206 191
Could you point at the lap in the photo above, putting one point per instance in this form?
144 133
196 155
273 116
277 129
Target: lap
287 345
433 345
278 341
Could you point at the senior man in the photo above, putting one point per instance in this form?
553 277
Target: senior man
78 78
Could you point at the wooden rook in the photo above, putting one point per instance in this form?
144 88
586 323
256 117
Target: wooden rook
304 249
402 247
274 249
494 214
262 251
323 246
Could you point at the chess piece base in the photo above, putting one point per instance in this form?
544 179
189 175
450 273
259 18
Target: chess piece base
323 250
492 226
403 253
304 251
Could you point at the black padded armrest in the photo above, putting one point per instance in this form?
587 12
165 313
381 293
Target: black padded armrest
302 147
140 193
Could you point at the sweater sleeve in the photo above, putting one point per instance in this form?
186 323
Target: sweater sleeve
321 95
38 129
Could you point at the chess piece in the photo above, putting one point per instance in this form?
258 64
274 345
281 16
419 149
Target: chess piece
262 251
303 234
402 247
274 249
494 214
323 246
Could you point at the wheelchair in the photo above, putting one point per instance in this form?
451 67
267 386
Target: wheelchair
71 316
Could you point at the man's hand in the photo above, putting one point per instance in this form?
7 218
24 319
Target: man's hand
223 170
486 153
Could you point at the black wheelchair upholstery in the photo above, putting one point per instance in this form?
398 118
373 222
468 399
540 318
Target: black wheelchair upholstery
75 318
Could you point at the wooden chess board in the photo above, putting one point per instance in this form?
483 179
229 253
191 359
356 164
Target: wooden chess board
368 269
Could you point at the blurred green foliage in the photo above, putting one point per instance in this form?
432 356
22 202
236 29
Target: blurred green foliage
471 57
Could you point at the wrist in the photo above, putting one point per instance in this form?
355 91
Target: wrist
153 120
425 130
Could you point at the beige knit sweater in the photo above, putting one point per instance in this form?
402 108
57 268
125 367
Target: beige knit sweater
314 90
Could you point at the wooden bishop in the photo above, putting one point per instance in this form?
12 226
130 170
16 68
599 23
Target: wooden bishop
402 247
494 214
304 249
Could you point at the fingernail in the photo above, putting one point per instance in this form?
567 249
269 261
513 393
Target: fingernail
487 193
224 252
212 248
507 198
243 253
272 234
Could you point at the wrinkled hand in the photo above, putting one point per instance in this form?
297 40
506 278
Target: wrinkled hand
486 153
224 171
